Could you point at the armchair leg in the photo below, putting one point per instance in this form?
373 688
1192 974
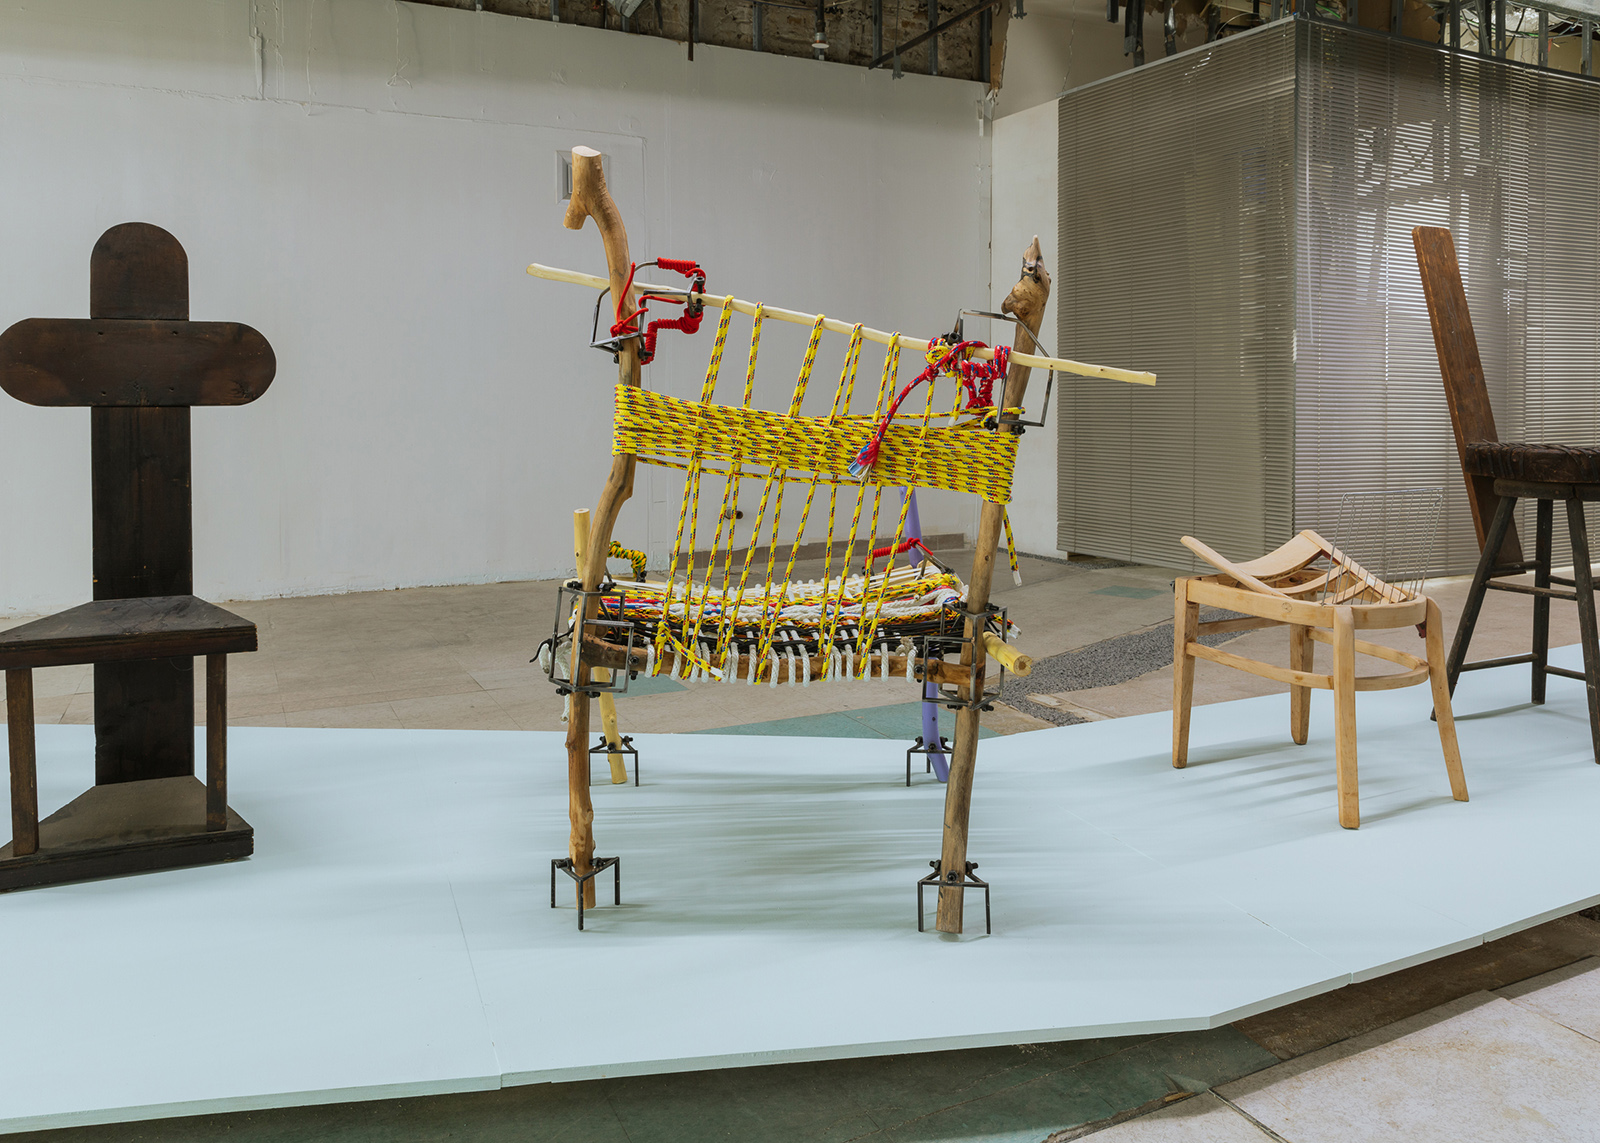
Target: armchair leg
1344 715
1544 514
24 768
1185 624
1441 703
1583 581
216 742
1300 652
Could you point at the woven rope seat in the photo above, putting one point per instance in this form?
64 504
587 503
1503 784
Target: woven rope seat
1541 463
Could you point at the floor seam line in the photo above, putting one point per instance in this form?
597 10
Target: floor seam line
472 964
1269 1132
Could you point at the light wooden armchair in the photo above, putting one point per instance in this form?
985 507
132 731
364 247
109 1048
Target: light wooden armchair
1322 596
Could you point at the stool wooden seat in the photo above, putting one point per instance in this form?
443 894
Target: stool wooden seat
1534 463
1500 473
139 364
1322 596
110 630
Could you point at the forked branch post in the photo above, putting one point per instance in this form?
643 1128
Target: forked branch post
591 199
1026 302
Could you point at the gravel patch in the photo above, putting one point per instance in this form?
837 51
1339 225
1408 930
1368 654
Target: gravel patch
1103 664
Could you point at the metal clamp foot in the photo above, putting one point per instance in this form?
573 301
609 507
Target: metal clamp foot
970 881
919 747
625 746
601 864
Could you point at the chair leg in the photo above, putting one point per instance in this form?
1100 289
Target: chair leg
24 768
216 742
1583 584
1344 715
1541 603
1185 624
1300 652
1441 703
1475 594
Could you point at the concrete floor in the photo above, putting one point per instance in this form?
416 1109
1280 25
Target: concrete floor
1494 1043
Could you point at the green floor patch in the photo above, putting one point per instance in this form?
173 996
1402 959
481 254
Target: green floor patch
901 721
1125 592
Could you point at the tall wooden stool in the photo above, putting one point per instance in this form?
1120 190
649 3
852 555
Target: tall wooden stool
139 363
1498 474
1322 596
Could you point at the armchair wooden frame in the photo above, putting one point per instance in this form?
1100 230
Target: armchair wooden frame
1319 604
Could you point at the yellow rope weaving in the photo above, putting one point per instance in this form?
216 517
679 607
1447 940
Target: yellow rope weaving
664 430
708 628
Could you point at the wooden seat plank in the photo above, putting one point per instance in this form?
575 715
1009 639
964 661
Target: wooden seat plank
107 630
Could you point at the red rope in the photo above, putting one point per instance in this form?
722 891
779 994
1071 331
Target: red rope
977 377
896 549
687 322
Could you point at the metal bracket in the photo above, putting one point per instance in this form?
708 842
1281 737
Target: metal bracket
626 747
692 305
577 623
1016 423
601 864
969 880
952 639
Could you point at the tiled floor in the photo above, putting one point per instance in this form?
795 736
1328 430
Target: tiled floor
1442 1051
1517 1063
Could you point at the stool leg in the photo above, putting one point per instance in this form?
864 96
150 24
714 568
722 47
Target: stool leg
1583 583
216 742
1441 703
1300 651
24 769
1475 594
1185 622
1344 715
1541 603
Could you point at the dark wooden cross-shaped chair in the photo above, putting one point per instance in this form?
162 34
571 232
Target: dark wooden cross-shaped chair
138 363
1500 473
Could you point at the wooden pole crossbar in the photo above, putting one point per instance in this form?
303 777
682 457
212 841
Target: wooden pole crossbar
1059 364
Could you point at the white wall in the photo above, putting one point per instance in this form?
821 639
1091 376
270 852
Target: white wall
1025 181
364 181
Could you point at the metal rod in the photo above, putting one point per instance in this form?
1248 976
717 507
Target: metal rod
555 11
1544 38
877 28
933 30
1455 24
879 61
1394 17
1586 67
1500 39
694 18
756 18
1352 12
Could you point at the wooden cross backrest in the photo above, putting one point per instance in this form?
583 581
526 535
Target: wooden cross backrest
138 363
1465 390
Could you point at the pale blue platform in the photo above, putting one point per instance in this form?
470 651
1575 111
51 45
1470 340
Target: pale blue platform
393 933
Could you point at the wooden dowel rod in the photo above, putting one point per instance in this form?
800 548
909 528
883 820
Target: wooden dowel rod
216 742
1008 656
1059 364
24 768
